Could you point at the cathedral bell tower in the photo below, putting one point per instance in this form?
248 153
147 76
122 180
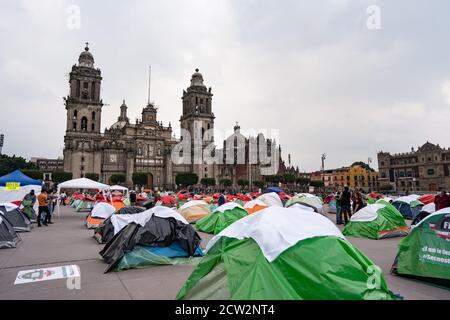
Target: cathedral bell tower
84 110
198 119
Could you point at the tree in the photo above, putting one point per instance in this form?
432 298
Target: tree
274 178
242 182
117 178
258 184
139 178
363 165
208 182
289 178
61 176
186 179
33 174
316 184
92 176
302 181
9 164
225 182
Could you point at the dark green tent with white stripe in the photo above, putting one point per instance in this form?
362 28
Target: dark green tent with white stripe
221 218
377 221
284 253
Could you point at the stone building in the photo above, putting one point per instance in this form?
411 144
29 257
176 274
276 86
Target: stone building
423 170
144 146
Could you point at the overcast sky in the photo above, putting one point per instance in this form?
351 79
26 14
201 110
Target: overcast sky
311 69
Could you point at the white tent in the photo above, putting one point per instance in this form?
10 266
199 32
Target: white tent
120 188
81 183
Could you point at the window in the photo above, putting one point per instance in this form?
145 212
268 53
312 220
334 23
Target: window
78 91
93 115
430 172
92 126
82 158
85 85
93 91
74 125
75 114
382 163
84 123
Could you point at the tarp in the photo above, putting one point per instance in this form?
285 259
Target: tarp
281 254
377 221
221 218
274 189
425 251
18 176
82 183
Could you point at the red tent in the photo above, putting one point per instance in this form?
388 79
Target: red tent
375 195
427 198
168 200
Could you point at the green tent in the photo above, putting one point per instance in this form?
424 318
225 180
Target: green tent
221 218
281 253
306 199
425 252
377 221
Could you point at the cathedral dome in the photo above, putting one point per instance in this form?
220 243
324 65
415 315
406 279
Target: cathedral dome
197 79
86 58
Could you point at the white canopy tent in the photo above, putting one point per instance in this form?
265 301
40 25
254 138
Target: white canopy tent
81 183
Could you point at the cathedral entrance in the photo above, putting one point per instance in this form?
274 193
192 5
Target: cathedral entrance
432 187
150 181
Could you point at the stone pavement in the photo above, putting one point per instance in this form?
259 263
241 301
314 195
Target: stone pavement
69 242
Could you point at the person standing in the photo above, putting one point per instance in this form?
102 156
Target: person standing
43 208
346 204
221 200
132 198
28 202
358 202
442 200
338 206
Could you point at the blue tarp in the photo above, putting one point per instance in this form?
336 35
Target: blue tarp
173 251
274 189
18 176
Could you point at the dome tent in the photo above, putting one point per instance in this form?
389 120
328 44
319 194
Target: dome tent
99 213
273 255
8 237
271 199
158 236
221 218
194 210
308 200
12 213
409 206
255 206
425 211
376 221
425 251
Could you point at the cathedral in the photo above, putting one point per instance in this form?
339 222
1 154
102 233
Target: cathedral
146 145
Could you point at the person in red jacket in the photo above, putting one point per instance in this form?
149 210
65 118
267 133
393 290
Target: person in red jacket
442 200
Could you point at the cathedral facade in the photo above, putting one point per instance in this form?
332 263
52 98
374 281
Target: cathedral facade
144 146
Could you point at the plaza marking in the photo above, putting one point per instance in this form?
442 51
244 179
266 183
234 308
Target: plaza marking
44 274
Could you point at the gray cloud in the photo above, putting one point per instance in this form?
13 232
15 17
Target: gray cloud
311 69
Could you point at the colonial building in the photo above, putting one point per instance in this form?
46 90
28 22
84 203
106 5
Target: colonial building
144 146
424 169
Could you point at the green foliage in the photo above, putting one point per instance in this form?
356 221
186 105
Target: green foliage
9 164
225 182
289 178
61 176
92 176
303 181
117 178
258 184
316 184
274 179
242 182
139 178
208 182
33 174
186 179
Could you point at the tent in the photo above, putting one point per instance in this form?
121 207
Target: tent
105 231
8 237
427 198
163 237
99 213
18 176
281 254
255 206
221 218
15 217
425 251
82 183
424 212
377 221
271 199
409 206
274 189
329 205
194 210
85 204
308 200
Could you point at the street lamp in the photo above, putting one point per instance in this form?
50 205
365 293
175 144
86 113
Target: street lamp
324 156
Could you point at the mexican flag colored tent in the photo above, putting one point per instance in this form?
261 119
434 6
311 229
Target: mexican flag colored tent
377 221
425 251
255 206
221 218
282 254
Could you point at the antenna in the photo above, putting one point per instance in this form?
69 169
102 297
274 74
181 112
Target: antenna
149 80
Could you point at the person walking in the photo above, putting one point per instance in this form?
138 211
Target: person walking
338 206
43 208
346 205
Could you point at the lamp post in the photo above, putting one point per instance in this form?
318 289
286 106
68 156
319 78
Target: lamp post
324 156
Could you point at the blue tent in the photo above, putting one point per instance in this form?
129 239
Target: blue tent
274 189
18 176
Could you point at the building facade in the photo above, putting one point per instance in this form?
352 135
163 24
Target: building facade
145 146
423 170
